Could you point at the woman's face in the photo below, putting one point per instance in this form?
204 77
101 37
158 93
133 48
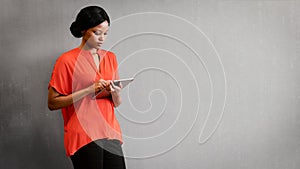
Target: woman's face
95 37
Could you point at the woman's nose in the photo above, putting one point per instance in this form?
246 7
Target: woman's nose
101 37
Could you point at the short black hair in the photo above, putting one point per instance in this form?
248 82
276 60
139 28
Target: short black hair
88 17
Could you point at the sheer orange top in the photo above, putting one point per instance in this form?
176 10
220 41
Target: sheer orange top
88 119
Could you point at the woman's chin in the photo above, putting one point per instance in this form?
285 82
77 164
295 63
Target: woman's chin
98 47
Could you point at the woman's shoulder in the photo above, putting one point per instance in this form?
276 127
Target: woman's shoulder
69 55
107 53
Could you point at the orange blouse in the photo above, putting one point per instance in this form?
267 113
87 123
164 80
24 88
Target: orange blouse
87 119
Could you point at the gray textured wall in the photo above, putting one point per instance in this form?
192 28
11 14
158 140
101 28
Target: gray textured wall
189 58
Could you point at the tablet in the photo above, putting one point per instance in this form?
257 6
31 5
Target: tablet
120 83
123 82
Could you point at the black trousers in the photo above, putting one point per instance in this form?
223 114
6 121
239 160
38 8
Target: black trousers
100 154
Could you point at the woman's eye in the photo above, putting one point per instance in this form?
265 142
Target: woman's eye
97 33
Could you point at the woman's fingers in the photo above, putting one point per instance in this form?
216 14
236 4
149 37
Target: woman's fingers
108 85
98 87
121 86
102 84
115 87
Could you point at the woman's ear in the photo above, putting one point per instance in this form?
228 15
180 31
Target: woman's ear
83 32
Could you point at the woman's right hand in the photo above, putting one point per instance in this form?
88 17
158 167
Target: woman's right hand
98 86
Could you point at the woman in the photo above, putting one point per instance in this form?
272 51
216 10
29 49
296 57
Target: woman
92 135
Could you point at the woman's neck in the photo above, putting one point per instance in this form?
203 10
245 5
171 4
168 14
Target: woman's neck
85 47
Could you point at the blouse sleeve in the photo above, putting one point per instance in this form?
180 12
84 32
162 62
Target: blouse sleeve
61 79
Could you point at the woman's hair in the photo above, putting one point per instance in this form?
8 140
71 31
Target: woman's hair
88 17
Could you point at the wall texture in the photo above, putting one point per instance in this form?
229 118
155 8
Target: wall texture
216 82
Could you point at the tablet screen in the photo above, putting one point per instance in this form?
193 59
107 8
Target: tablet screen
119 83
123 82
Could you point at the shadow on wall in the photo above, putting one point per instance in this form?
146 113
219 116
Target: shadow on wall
31 135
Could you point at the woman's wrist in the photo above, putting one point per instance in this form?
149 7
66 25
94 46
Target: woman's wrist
89 90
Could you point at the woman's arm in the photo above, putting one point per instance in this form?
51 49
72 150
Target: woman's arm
58 101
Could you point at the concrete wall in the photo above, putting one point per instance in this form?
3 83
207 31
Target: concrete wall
216 82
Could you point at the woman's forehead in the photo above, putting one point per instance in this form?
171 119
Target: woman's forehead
103 25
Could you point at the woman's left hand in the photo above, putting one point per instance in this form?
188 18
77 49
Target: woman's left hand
115 93
115 88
